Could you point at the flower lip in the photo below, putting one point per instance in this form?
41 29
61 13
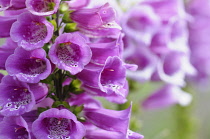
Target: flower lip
19 97
16 97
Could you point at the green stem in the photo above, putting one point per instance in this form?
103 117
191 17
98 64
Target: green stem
57 22
185 120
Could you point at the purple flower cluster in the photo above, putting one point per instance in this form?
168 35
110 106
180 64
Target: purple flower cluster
198 39
58 56
156 39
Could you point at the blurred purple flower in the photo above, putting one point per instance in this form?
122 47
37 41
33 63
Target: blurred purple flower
198 39
143 58
141 23
175 72
166 96
156 36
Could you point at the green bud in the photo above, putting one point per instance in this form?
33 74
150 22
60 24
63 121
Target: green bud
66 17
64 7
70 27
53 22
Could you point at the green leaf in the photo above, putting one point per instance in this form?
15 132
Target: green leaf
78 109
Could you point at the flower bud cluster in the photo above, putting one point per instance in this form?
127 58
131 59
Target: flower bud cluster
59 54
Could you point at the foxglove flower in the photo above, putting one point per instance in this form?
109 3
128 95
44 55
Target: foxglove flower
175 72
14 12
31 32
104 48
173 27
173 8
97 22
84 99
141 23
166 96
117 121
70 52
42 7
107 80
172 36
6 50
28 66
5 25
117 96
164 36
93 132
55 123
40 91
46 102
198 39
16 97
14 127
30 117
11 4
77 4
110 120
144 59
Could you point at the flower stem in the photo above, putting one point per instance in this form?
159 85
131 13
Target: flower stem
185 121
